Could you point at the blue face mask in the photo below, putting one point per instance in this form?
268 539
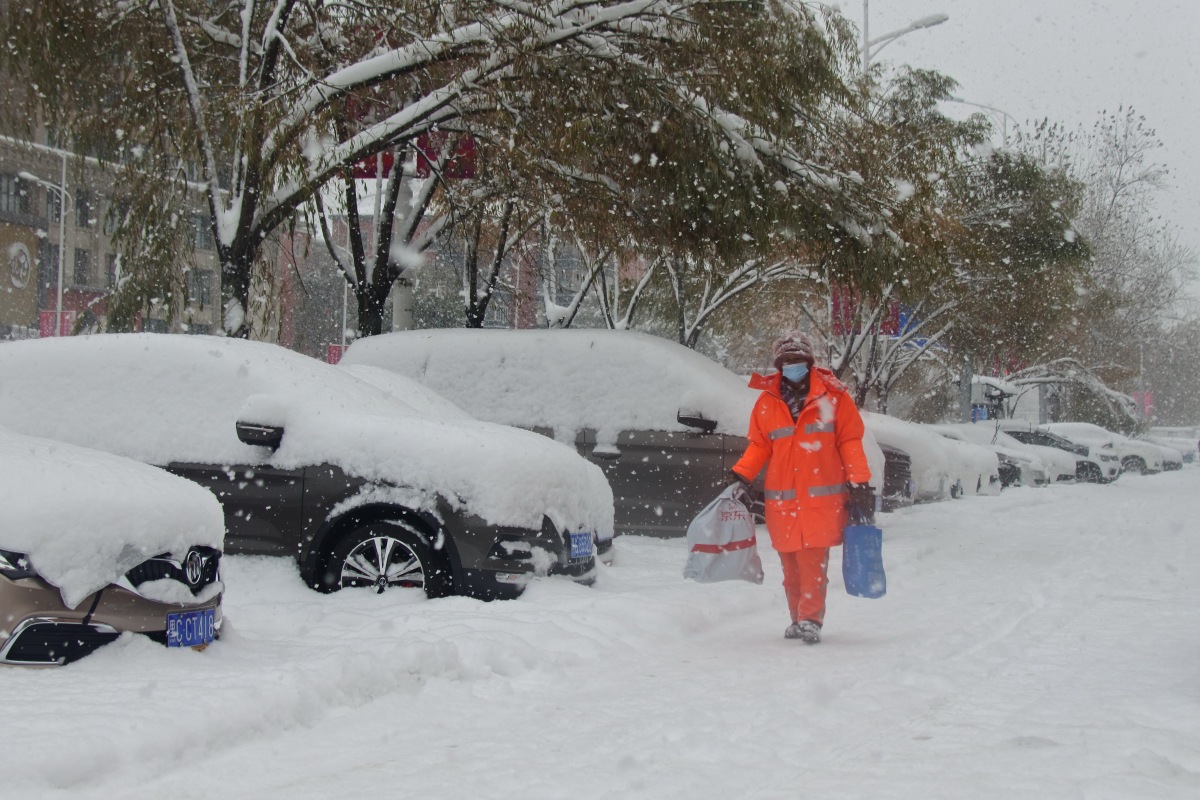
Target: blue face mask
795 372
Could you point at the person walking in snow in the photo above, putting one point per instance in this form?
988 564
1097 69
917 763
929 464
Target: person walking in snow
807 432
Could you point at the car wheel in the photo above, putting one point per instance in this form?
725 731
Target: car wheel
386 555
1134 464
1090 473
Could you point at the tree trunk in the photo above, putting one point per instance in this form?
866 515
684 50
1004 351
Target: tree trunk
861 393
236 268
370 311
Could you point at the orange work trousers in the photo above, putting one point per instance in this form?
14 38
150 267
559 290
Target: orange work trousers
804 581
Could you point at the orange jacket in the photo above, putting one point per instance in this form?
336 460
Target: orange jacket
809 460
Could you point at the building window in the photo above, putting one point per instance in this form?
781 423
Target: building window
199 286
202 236
112 219
14 196
83 209
49 266
112 268
83 267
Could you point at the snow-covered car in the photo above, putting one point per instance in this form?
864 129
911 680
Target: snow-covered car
1093 464
429 402
313 463
897 488
662 421
941 468
93 545
1186 447
1034 464
1140 457
1015 469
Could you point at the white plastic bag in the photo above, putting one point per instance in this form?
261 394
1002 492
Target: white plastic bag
721 543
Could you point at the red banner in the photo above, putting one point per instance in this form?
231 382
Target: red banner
369 167
460 165
65 325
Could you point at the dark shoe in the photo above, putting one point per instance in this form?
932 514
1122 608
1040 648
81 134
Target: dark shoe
805 630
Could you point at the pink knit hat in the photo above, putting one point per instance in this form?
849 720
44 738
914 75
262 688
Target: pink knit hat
793 346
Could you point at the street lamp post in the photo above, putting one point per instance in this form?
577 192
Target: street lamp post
871 47
64 196
1004 115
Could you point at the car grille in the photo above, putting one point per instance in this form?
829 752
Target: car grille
205 569
51 642
897 473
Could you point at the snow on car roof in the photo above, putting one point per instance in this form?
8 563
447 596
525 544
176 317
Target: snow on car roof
85 518
934 457
1084 432
408 391
566 380
164 398
983 433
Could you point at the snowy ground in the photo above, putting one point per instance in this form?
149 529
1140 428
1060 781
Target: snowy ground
1040 644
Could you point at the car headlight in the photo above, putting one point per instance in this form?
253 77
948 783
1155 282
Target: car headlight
15 566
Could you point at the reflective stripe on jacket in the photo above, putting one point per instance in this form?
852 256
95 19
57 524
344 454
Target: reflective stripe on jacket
809 460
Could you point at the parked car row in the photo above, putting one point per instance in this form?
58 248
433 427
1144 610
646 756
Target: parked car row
450 462
307 460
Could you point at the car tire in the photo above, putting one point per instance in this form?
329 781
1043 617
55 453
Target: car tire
385 555
1133 464
1090 473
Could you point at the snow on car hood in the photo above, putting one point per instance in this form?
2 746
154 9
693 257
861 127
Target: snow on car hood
85 518
168 398
568 380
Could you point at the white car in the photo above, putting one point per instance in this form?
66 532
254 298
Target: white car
1139 457
1184 439
1038 465
941 468
1093 464
1185 448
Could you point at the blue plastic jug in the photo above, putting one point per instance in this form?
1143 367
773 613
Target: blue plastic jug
862 561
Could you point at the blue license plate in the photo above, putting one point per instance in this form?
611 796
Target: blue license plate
191 628
581 545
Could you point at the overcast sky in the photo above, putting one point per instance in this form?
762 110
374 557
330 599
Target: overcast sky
1068 60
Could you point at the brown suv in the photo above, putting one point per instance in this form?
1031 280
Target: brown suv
92 545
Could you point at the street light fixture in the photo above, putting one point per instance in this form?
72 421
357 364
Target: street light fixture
871 47
64 196
1004 115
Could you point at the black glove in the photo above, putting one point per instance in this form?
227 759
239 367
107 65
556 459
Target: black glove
738 480
861 503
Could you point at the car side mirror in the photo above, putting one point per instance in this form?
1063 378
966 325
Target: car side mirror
696 420
251 433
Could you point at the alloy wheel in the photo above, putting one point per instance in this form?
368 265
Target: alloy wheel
383 562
